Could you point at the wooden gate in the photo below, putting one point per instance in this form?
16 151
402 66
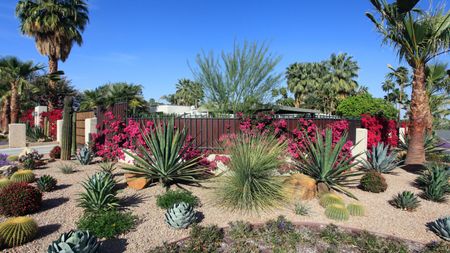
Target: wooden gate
80 126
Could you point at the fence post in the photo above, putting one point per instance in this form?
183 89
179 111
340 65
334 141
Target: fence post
360 146
17 137
90 127
37 114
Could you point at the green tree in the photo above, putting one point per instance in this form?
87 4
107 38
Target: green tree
304 80
282 97
55 25
240 80
355 106
17 74
188 93
438 90
418 36
394 85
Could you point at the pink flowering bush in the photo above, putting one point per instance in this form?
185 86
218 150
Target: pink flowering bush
380 130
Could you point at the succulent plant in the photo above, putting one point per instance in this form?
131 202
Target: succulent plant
75 242
356 209
441 227
329 199
406 201
337 212
99 193
108 167
373 181
46 183
17 231
435 182
180 215
18 199
67 168
380 160
4 182
85 155
23 176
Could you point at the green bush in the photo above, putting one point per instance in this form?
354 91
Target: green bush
373 181
354 106
169 198
107 224
251 183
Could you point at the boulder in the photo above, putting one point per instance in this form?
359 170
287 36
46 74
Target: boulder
300 186
136 182
8 170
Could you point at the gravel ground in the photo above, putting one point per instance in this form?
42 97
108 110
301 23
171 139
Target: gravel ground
60 213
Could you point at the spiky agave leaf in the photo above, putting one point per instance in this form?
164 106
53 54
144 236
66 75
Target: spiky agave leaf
17 231
23 176
85 155
46 183
406 201
441 227
379 159
434 182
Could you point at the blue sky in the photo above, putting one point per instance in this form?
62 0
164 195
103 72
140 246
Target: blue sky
151 42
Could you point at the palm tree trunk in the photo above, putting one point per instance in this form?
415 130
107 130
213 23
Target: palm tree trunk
5 114
52 68
14 103
419 118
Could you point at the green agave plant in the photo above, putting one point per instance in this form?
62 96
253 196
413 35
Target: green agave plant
434 182
99 193
17 231
441 227
406 201
75 242
379 159
163 159
180 215
321 161
85 155
46 183
108 167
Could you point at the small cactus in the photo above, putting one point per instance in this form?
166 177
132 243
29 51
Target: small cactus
46 183
356 209
4 182
180 215
337 212
17 231
23 176
330 198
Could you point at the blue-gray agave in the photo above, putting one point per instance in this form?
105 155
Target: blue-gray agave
85 155
180 215
75 242
380 160
441 227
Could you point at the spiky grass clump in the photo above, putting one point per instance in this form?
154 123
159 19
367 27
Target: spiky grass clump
301 209
67 168
46 183
108 167
356 209
406 201
17 231
330 198
4 182
252 183
337 212
23 176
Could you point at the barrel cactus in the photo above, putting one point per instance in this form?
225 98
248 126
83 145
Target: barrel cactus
337 212
356 209
4 182
180 215
441 227
46 183
75 242
17 231
23 176
329 199
85 155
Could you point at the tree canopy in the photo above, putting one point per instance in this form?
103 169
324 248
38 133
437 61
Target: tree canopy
355 106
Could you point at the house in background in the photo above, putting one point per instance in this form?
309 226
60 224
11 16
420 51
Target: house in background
179 110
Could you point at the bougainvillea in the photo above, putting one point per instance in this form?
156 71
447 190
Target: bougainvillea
380 130
27 117
52 117
55 153
19 199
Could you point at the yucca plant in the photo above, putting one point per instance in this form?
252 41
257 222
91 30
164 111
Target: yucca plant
99 193
75 242
17 231
441 227
379 159
434 182
322 162
252 183
406 201
162 157
46 183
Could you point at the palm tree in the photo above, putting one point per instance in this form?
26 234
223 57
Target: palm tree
396 82
17 74
438 90
92 99
55 25
303 79
4 101
418 37
188 93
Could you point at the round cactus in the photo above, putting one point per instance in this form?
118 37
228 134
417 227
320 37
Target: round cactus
23 176
17 231
329 199
180 215
337 212
4 182
356 209
46 183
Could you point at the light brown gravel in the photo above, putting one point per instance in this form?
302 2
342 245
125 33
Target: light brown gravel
60 213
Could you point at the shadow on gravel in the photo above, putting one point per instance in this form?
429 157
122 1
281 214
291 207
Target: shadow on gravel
47 230
133 200
62 186
52 203
114 245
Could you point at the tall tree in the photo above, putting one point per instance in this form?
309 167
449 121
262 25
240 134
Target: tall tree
303 79
239 80
438 90
17 74
418 36
55 25
188 93
394 85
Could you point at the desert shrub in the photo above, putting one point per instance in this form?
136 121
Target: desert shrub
99 193
205 239
380 159
437 247
322 162
240 230
355 106
171 197
252 183
55 153
434 182
30 160
406 201
18 199
373 181
107 224
67 168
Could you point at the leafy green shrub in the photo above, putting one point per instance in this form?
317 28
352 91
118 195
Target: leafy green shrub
163 160
75 242
373 181
67 168
301 209
355 106
441 227
252 183
380 159
17 231
19 199
239 229
322 162
405 201
205 239
107 224
99 193
169 198
46 183
85 155
435 182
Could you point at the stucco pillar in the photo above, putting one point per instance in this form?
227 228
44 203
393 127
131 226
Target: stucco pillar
17 137
90 127
59 124
361 144
37 114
